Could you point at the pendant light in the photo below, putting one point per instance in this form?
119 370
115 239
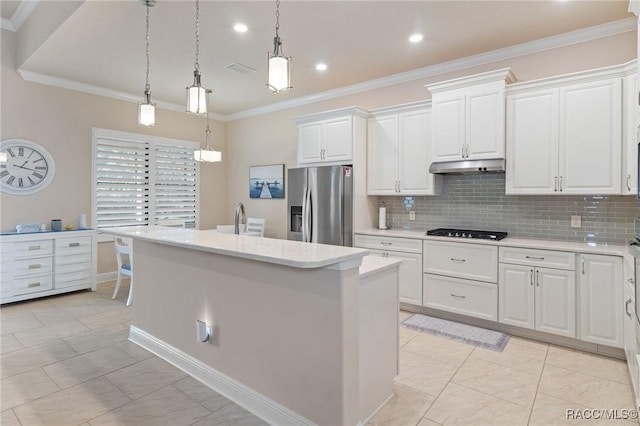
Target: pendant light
278 65
208 154
146 108
196 94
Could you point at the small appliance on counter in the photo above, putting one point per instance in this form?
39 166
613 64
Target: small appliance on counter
466 233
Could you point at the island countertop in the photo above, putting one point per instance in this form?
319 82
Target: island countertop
283 252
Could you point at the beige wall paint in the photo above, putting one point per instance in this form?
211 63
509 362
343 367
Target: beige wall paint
61 121
272 138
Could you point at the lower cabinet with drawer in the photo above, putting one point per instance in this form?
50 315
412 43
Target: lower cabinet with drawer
44 264
533 295
461 278
408 250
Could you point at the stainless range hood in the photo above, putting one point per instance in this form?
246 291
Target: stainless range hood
468 167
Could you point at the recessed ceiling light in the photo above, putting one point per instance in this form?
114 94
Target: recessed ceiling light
240 27
321 66
415 38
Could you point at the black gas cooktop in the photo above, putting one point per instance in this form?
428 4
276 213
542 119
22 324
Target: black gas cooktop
466 233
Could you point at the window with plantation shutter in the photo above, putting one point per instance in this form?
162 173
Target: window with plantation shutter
143 180
175 184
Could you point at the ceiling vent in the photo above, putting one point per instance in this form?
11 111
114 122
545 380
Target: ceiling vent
242 69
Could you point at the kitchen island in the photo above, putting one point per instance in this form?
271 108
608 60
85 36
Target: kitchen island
301 333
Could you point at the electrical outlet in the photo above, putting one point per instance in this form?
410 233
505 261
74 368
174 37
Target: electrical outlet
576 221
412 215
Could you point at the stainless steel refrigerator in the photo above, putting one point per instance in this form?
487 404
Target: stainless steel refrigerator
320 205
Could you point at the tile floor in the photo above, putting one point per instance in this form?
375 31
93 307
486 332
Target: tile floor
66 360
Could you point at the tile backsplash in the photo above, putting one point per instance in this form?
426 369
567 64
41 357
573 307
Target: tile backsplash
479 202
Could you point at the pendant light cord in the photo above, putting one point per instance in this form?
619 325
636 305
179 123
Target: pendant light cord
147 87
197 33
277 17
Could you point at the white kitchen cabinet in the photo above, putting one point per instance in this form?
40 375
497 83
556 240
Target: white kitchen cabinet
469 116
629 335
477 262
563 135
535 296
398 150
43 264
601 296
467 297
406 249
329 138
631 136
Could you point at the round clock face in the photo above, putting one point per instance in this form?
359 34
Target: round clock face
28 169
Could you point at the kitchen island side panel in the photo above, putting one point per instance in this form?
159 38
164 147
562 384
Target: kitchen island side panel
290 334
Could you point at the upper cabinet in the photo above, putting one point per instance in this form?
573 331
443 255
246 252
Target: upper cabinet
468 116
398 152
630 136
329 138
564 134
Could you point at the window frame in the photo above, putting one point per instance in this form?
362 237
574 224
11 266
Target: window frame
152 142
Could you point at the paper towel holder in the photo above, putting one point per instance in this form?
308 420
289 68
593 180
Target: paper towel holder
382 217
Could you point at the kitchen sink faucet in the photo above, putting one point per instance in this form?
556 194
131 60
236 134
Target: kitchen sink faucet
240 217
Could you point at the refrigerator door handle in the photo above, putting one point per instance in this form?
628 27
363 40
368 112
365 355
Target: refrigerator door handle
305 210
309 217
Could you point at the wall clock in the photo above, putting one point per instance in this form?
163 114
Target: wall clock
28 169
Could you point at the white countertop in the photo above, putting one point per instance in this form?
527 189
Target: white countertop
573 246
283 252
372 264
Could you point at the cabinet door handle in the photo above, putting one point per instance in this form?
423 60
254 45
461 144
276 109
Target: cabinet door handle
560 183
628 185
582 264
466 150
384 243
534 258
33 285
74 244
531 277
537 278
556 185
630 280
462 151
34 247
453 259
458 297
35 266
626 307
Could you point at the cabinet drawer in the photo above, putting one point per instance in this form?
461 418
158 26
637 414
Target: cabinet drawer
72 246
72 267
83 258
533 257
407 245
67 279
472 261
36 248
466 297
31 285
31 267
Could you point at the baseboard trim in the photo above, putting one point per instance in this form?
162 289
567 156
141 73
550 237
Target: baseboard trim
258 404
106 276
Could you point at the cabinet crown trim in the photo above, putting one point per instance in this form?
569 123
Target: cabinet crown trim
613 71
414 106
341 112
503 74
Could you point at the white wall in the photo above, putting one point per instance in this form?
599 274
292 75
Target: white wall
61 120
271 138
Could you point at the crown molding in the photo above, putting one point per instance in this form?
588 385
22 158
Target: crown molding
541 45
536 46
22 13
35 77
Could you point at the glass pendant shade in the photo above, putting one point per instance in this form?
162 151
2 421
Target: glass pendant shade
207 155
147 111
196 96
279 73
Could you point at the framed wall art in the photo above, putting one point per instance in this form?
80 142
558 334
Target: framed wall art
266 181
